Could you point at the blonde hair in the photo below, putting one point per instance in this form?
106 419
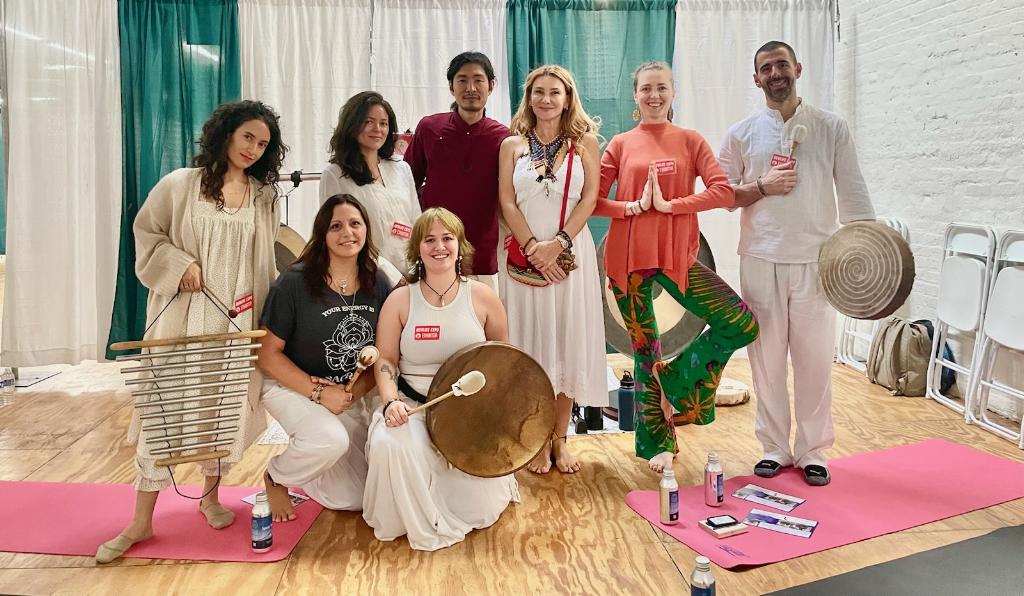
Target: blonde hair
655 65
575 122
421 228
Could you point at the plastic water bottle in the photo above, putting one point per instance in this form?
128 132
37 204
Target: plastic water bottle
6 386
669 498
702 583
262 526
626 398
714 489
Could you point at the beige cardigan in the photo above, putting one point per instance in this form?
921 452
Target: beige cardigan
165 246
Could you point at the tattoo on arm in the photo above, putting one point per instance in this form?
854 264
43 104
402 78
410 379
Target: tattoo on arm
386 369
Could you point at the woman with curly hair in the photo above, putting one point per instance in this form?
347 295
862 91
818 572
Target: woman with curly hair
206 235
548 173
363 165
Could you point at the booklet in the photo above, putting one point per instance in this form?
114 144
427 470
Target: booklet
777 522
770 498
297 499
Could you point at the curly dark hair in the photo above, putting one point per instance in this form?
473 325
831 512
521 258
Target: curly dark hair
344 147
315 260
216 137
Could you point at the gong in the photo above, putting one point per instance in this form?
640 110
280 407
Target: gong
287 247
676 326
500 428
866 270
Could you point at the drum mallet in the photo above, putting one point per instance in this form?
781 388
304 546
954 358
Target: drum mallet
468 384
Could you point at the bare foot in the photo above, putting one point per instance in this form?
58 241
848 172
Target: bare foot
542 463
281 509
658 462
564 459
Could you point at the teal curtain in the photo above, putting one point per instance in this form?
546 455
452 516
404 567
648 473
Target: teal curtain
179 61
601 42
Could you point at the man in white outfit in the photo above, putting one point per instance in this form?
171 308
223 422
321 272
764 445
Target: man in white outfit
789 210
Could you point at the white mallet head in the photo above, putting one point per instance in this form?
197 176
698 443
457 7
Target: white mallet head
797 135
469 383
368 355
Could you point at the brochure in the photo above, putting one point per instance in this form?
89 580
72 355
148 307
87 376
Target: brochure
777 522
769 498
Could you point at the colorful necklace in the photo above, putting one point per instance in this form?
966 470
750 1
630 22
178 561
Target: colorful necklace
544 154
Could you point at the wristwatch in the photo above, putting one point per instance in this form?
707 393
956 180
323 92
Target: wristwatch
563 239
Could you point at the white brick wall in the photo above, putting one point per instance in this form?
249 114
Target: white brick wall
934 93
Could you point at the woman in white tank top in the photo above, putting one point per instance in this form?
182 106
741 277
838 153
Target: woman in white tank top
410 489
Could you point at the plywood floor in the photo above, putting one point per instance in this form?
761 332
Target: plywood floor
570 535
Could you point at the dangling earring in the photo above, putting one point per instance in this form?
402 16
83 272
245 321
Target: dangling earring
420 269
458 266
636 114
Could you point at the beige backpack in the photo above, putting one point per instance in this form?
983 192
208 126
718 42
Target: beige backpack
898 359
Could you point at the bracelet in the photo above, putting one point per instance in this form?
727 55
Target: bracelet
760 187
525 245
564 239
315 395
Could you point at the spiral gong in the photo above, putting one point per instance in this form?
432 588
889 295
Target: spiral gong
866 270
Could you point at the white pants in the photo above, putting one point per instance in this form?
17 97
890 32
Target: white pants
795 319
325 455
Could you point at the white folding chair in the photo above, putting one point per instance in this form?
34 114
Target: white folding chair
1003 327
964 280
854 332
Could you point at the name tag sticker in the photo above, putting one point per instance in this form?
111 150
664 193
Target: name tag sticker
400 230
427 332
665 167
244 303
778 159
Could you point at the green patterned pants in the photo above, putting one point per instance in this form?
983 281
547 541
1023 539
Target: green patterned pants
690 380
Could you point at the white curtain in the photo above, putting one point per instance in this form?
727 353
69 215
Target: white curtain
304 58
714 66
64 185
413 42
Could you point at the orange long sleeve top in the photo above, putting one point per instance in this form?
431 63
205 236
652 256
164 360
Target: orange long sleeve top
655 240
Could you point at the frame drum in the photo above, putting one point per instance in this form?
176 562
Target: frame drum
502 427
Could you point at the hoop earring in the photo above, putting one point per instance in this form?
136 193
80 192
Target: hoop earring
636 115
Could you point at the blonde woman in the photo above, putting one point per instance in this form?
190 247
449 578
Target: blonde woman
548 177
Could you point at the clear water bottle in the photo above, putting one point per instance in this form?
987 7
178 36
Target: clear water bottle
714 489
626 399
669 498
262 526
6 386
702 583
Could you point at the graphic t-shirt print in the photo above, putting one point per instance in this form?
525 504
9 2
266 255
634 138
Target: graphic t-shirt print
342 349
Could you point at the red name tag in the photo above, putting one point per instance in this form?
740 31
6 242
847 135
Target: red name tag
400 230
427 332
665 167
244 303
778 160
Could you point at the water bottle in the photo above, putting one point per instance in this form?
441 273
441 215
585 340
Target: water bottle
626 401
262 526
702 583
6 386
669 498
714 489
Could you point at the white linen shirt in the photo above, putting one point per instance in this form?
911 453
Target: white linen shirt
791 228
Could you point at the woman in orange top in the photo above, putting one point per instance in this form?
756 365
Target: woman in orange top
654 238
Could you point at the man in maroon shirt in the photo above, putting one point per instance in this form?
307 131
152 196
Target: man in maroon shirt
454 159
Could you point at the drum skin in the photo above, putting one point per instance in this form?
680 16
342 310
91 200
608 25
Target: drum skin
503 426
866 270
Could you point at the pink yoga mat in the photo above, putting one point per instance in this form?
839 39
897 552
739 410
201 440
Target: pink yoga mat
74 519
871 494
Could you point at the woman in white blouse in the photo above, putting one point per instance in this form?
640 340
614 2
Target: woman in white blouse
362 165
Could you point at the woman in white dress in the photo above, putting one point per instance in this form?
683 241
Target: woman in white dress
551 160
207 229
362 164
410 489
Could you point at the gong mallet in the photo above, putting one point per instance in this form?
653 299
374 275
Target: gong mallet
367 356
796 136
232 313
468 384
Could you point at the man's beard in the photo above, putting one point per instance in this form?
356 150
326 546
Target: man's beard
779 95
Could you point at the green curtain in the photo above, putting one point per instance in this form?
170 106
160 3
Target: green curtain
179 61
601 42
